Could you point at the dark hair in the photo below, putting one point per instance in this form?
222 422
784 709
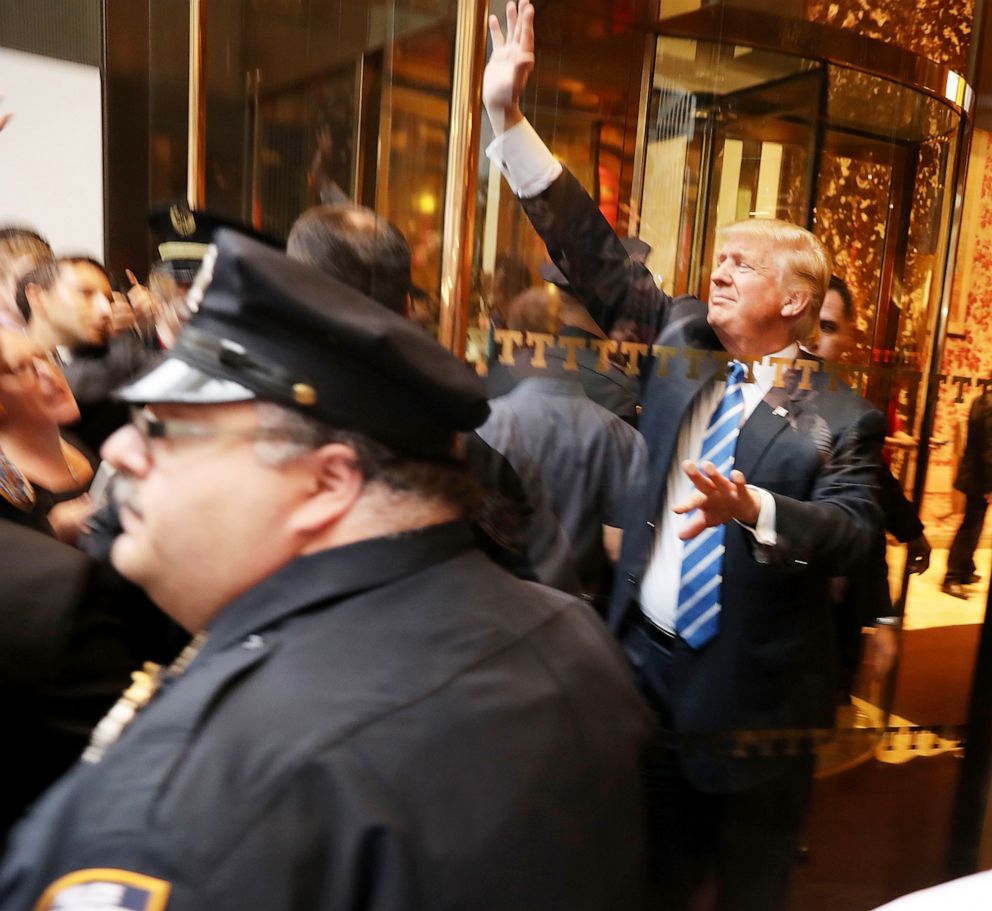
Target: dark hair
357 247
447 479
847 299
44 276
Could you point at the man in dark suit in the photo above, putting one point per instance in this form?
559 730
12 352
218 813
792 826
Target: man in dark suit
974 480
725 614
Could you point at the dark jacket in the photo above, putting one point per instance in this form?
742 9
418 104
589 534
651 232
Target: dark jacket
72 633
396 724
974 476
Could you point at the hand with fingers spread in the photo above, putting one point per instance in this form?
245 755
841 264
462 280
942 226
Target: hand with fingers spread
509 65
717 500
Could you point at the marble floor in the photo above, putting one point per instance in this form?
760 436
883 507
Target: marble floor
927 605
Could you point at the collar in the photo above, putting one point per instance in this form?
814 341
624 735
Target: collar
765 370
333 574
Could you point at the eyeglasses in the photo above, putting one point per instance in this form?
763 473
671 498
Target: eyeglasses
150 428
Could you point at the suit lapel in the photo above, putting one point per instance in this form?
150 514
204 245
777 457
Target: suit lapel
779 409
672 396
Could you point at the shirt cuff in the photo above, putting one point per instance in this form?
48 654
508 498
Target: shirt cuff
764 528
524 160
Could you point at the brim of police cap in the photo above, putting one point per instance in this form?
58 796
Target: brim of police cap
178 382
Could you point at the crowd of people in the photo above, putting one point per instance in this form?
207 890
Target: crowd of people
333 623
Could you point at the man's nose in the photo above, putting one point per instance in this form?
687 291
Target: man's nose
126 450
721 273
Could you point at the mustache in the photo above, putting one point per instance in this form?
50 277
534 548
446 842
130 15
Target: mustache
124 492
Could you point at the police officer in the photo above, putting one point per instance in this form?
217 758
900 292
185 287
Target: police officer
371 714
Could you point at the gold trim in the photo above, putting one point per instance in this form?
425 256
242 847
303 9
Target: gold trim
196 153
158 889
181 249
462 175
641 141
304 394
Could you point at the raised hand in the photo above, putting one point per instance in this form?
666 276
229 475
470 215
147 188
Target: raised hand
509 64
718 499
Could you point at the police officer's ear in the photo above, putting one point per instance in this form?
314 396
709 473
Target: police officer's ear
335 483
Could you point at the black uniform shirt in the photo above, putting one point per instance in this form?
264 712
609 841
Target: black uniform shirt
394 724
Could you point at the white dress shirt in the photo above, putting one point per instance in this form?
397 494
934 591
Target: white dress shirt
660 586
529 168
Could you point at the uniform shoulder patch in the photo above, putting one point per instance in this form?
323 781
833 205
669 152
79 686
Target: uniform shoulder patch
106 889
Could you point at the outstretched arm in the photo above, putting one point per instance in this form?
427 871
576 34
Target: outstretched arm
579 239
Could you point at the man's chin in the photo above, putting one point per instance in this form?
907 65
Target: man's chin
125 557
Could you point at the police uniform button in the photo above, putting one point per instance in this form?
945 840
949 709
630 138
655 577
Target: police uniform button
253 642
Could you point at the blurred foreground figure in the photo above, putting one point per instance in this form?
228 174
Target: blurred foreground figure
371 714
38 468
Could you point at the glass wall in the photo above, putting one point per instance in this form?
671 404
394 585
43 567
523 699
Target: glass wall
731 131
676 131
310 102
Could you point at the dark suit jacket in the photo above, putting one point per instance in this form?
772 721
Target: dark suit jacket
974 476
817 451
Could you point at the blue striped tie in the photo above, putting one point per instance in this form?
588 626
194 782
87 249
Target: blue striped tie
697 616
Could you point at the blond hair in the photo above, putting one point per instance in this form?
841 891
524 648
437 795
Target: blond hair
802 260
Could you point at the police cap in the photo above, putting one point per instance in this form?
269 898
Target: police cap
271 328
184 234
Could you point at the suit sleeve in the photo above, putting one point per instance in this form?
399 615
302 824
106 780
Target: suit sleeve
899 513
614 288
832 529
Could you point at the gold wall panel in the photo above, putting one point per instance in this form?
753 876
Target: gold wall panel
939 30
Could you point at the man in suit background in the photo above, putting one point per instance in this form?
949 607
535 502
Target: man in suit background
725 614
974 480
